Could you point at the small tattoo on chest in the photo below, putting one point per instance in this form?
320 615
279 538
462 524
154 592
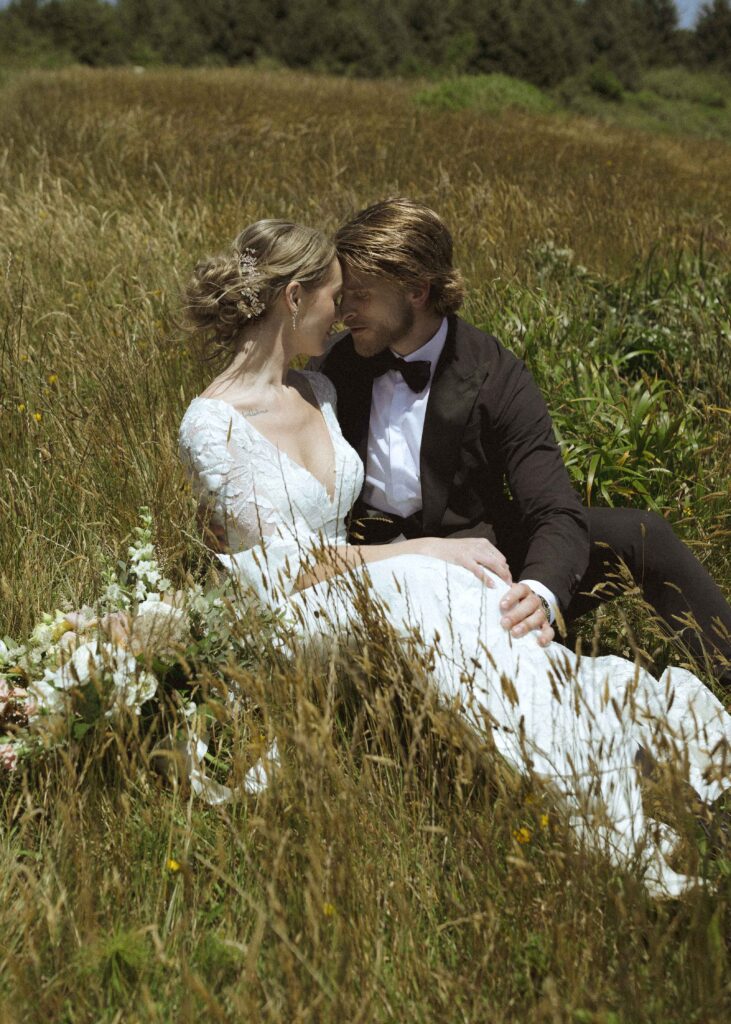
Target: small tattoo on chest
252 412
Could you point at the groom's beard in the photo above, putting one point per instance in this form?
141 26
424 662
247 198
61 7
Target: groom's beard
374 337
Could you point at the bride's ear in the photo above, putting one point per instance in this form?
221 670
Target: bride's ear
292 296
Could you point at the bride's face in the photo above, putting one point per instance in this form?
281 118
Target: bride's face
375 311
319 310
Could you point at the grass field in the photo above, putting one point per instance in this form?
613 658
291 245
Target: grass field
378 879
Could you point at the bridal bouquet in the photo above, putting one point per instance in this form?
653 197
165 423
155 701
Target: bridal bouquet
80 668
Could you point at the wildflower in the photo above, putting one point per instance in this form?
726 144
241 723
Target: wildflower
522 835
13 700
21 407
328 909
158 626
59 627
42 636
53 378
172 865
544 821
8 757
38 416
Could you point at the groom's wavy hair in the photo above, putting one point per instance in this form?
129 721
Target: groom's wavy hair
406 242
228 292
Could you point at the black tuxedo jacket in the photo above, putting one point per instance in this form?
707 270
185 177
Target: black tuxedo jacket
490 465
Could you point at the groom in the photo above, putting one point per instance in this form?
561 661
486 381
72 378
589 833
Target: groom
457 442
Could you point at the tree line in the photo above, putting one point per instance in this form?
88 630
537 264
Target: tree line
542 41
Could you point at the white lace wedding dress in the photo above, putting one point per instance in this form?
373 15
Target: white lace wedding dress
576 723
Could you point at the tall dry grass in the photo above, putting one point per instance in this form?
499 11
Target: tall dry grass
385 875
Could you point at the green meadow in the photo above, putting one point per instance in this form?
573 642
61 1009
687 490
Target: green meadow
392 871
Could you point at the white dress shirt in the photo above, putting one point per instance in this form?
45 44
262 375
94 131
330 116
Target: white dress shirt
392 474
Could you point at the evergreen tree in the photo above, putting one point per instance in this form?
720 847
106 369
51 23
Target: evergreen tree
496 36
548 42
87 29
657 30
610 33
713 35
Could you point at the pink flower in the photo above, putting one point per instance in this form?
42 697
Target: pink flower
8 757
13 703
116 625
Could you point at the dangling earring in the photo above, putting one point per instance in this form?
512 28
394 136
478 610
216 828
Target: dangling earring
295 311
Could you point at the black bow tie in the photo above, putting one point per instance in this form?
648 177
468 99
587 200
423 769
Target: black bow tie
416 373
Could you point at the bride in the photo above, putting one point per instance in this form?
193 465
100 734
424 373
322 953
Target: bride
276 479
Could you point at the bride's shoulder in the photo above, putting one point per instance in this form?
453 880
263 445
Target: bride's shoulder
206 419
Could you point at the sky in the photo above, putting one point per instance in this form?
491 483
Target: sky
687 8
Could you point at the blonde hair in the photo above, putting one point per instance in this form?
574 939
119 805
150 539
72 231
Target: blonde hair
406 242
227 292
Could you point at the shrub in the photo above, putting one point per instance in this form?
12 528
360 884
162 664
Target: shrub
487 93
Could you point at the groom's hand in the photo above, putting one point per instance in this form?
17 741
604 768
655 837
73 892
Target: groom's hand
523 611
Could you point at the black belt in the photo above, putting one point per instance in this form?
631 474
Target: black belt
373 526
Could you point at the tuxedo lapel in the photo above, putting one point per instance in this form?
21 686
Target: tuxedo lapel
457 380
352 376
359 416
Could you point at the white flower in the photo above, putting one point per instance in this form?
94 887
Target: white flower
48 699
4 653
79 668
159 626
132 687
114 595
42 635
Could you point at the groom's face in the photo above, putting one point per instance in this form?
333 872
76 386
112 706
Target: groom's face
375 311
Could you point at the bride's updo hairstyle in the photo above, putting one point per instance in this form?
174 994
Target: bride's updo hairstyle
407 243
228 292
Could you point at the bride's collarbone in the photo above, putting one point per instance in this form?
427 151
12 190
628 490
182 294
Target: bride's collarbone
296 428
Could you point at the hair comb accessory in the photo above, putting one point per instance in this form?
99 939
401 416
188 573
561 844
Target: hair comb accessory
249 304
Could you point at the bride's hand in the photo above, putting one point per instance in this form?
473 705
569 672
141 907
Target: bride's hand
474 553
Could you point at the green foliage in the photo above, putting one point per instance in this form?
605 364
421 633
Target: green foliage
486 93
672 100
713 35
542 41
605 83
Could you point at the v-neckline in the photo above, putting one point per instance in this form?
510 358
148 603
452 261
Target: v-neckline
281 452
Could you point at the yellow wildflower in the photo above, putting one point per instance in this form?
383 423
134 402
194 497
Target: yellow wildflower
544 821
53 378
59 628
328 909
21 407
172 865
522 835
38 416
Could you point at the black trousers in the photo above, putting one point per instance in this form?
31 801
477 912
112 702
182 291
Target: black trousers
671 579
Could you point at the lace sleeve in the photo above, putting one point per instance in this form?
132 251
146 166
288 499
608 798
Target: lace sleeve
230 480
204 452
